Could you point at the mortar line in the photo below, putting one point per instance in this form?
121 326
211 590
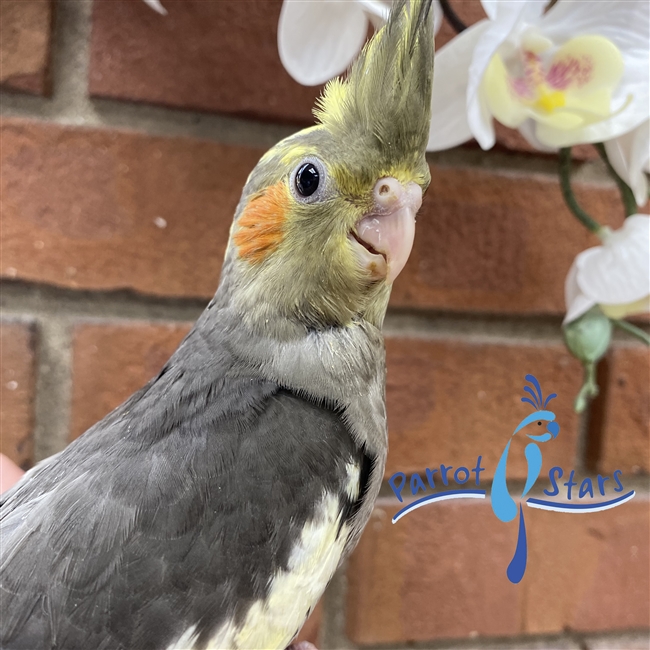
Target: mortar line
153 120
24 298
70 58
68 69
53 386
166 121
170 121
17 297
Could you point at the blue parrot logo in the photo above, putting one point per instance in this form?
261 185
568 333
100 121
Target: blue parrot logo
540 426
503 505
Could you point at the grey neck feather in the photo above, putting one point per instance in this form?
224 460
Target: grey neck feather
343 366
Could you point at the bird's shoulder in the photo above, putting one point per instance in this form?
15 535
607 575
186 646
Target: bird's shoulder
188 498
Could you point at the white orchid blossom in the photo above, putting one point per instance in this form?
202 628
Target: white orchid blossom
575 74
614 276
629 155
319 39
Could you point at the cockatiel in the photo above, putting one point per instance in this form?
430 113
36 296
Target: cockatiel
211 509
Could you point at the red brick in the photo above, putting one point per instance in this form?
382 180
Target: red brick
80 208
113 360
450 401
212 56
440 573
83 208
25 45
437 573
17 374
311 629
626 421
589 572
497 242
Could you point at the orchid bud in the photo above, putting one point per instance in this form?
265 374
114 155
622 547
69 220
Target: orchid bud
588 338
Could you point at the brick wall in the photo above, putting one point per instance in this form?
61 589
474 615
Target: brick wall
126 138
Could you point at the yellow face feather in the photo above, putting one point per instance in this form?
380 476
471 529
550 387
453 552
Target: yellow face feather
292 253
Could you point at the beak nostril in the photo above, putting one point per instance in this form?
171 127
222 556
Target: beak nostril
384 189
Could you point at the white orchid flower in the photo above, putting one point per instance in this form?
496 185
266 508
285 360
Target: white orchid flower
576 74
629 155
319 39
614 276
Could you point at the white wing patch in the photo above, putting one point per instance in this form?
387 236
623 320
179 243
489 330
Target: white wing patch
273 622
352 485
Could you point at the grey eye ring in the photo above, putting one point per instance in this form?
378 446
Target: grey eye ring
309 180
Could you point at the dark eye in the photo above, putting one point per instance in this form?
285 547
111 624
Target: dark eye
539 424
307 179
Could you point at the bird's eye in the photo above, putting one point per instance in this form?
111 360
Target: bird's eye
539 424
307 179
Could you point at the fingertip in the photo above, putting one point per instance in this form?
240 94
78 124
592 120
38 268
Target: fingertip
10 473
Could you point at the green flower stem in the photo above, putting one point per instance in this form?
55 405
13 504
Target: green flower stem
633 329
569 197
627 195
452 17
589 388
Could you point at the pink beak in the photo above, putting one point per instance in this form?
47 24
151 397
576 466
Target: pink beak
383 239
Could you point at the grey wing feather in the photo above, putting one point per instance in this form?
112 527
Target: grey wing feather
176 510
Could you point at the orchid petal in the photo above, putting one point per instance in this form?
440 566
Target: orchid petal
576 302
623 23
449 125
377 8
509 17
577 112
580 305
626 25
438 16
629 155
597 63
528 130
497 9
377 11
571 288
318 40
491 8
156 6
501 100
617 312
620 122
619 271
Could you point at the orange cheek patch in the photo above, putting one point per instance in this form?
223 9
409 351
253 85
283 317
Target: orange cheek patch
261 225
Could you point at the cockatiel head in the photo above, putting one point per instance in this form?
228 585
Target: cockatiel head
327 218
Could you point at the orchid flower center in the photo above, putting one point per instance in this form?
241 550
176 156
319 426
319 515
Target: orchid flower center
565 87
539 88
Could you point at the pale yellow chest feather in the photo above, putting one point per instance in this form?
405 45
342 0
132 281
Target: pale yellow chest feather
273 622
